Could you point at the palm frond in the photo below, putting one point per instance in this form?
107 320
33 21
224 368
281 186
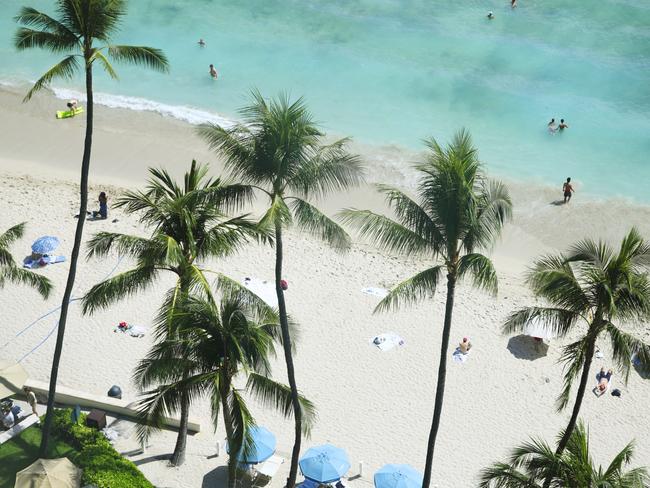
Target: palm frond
20 276
573 356
480 269
31 17
122 285
278 396
106 64
125 245
140 55
65 69
312 220
422 285
559 320
386 233
11 235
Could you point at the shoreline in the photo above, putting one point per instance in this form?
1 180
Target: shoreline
387 398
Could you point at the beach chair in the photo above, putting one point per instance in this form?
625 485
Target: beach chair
268 469
18 428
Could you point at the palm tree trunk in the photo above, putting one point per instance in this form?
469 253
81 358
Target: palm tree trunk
286 344
442 373
83 205
227 420
178 457
584 378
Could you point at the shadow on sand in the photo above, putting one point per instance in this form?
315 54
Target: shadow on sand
217 477
526 347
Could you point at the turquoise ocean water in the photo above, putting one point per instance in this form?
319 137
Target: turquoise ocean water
396 71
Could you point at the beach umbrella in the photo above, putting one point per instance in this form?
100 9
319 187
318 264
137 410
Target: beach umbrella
540 330
45 244
398 476
12 378
264 443
325 463
49 473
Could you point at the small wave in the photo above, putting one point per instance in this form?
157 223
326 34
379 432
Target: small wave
187 114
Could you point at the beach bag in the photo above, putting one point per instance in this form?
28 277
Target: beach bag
616 392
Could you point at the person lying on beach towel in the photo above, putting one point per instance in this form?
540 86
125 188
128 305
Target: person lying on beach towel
31 263
132 330
604 381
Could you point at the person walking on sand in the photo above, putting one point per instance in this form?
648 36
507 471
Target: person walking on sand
568 190
31 399
213 72
563 125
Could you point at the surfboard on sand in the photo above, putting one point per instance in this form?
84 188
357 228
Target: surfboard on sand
66 114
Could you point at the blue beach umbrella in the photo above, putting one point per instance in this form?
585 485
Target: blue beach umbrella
398 476
45 244
325 463
264 443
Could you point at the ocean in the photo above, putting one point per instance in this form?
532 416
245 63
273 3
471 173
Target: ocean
390 73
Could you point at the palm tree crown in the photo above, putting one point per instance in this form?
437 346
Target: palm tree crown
9 269
79 25
459 212
600 288
535 461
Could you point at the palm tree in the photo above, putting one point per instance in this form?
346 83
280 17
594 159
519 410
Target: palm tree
458 213
216 343
189 226
278 151
595 286
534 461
79 26
11 272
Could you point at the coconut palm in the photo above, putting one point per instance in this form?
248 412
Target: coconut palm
278 150
594 287
535 461
217 343
458 213
189 227
11 272
82 30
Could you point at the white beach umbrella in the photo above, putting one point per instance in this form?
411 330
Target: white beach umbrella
12 378
537 328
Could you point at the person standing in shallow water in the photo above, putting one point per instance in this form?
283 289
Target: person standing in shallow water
213 72
568 190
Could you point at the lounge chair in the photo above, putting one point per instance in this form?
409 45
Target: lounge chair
18 428
269 467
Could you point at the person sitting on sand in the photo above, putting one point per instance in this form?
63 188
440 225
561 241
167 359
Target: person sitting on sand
102 213
201 43
603 381
568 190
562 125
213 72
465 345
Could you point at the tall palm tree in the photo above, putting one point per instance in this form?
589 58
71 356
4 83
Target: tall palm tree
216 343
80 26
458 213
535 461
11 272
278 150
189 226
592 286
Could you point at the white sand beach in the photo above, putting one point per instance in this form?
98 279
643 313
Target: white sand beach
377 405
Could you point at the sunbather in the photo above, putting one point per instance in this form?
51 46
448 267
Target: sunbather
603 382
465 345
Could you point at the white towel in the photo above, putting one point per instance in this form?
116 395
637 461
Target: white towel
386 341
375 292
265 289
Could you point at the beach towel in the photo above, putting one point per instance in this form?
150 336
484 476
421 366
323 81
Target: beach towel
129 329
265 289
387 341
375 292
459 357
44 261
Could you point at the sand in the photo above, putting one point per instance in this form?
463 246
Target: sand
376 405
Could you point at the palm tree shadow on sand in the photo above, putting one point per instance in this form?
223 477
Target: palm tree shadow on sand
217 477
526 347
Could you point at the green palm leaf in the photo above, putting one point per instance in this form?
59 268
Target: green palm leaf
312 220
140 55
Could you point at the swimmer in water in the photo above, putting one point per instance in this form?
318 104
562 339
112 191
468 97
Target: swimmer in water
562 125
490 15
551 126
213 72
513 3
201 43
